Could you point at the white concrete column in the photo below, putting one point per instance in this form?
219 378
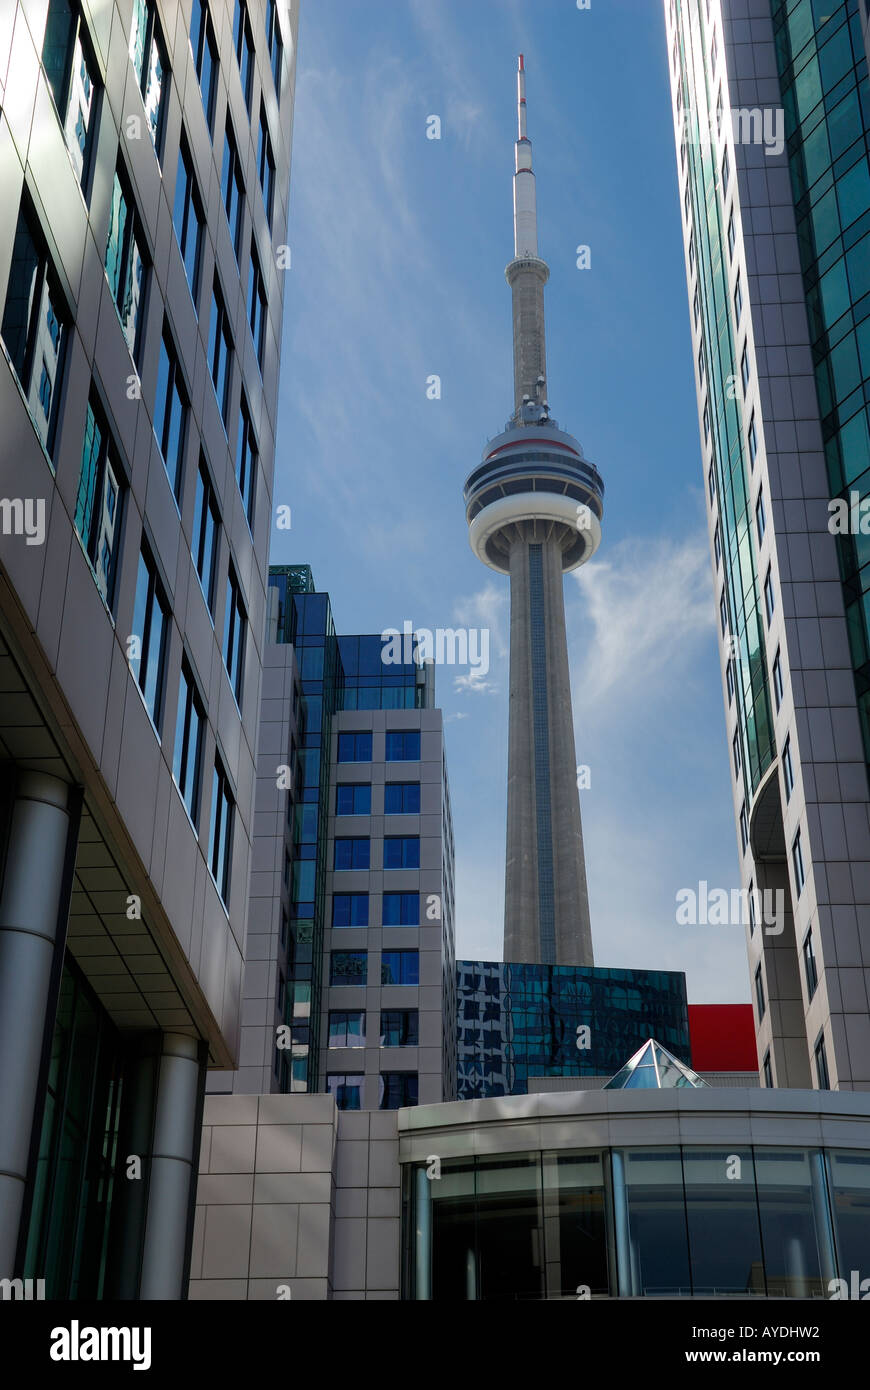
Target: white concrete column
30 916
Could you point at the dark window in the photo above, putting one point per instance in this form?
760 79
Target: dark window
353 799
220 350
729 680
233 188
206 525
347 1028
399 1028
753 439
347 1090
150 637
400 910
221 838
99 501
205 58
810 969
235 629
347 967
717 546
768 1071
732 236
125 261
401 798
350 909
189 737
187 218
148 56
351 853
73 78
276 47
266 164
744 366
797 857
744 829
753 912
355 748
787 769
726 172
735 747
400 968
246 460
777 679
760 519
244 46
821 1057
738 300
35 324
257 304
401 851
759 992
170 412
397 1089
403 745
769 601
711 484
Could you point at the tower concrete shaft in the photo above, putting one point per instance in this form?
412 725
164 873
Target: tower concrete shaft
534 507
546 900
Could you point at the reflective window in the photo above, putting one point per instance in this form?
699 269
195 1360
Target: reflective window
759 992
246 460
170 412
400 910
850 1195
35 322
244 46
353 799
355 748
401 798
276 47
810 971
189 738
797 859
206 526
788 1227
347 1090
220 350
187 218
351 853
347 1028
399 1028
401 852
148 56
221 838
233 188
125 263
400 968
202 42
722 1216
787 769
266 164
777 678
257 305
350 909
235 633
397 1089
150 637
347 967
402 745
99 501
73 78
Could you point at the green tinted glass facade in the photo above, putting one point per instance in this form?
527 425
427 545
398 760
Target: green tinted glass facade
73 1185
826 99
723 396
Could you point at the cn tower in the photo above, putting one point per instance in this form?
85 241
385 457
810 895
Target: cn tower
534 508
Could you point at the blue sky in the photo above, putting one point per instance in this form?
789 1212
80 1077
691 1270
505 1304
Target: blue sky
399 245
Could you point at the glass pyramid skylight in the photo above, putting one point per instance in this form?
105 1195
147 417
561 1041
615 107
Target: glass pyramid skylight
653 1068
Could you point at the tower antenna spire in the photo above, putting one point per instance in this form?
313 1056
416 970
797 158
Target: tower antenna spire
527 275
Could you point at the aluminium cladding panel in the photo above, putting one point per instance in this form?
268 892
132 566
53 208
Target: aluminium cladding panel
73 649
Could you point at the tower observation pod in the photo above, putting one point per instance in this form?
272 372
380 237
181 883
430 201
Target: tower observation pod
534 508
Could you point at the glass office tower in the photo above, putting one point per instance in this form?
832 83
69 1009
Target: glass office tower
772 116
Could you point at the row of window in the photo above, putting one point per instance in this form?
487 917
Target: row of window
398 1028
355 799
397 968
397 910
401 746
400 852
396 1089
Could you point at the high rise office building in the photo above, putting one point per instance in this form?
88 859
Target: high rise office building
534 507
349 985
145 156
772 119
